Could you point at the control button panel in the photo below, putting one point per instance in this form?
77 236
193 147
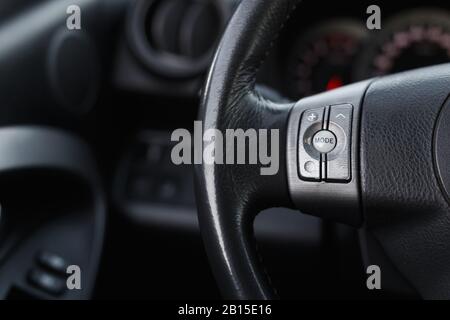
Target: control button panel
325 144
324 141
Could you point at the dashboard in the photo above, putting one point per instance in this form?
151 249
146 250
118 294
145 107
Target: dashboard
169 45
336 48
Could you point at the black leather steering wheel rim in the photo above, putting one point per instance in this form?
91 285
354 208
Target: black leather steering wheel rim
230 196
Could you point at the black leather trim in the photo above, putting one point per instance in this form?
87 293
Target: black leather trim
403 204
229 196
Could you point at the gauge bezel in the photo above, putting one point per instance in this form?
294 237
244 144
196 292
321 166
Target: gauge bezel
402 21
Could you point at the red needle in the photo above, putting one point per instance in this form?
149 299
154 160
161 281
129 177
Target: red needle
334 82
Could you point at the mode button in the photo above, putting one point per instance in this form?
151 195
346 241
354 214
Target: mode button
324 141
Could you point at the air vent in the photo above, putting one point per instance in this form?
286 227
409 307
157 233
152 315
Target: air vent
176 38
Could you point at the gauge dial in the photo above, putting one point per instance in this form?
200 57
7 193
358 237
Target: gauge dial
411 40
323 59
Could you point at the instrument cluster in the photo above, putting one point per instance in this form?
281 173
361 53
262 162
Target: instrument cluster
341 51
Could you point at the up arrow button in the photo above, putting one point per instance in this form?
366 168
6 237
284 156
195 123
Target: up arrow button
338 160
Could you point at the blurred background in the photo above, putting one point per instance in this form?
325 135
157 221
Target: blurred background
86 117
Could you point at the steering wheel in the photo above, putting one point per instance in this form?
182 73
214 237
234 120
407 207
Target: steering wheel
374 155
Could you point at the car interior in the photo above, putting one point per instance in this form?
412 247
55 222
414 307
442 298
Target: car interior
86 175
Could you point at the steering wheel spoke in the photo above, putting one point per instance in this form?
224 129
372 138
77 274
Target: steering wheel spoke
323 154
